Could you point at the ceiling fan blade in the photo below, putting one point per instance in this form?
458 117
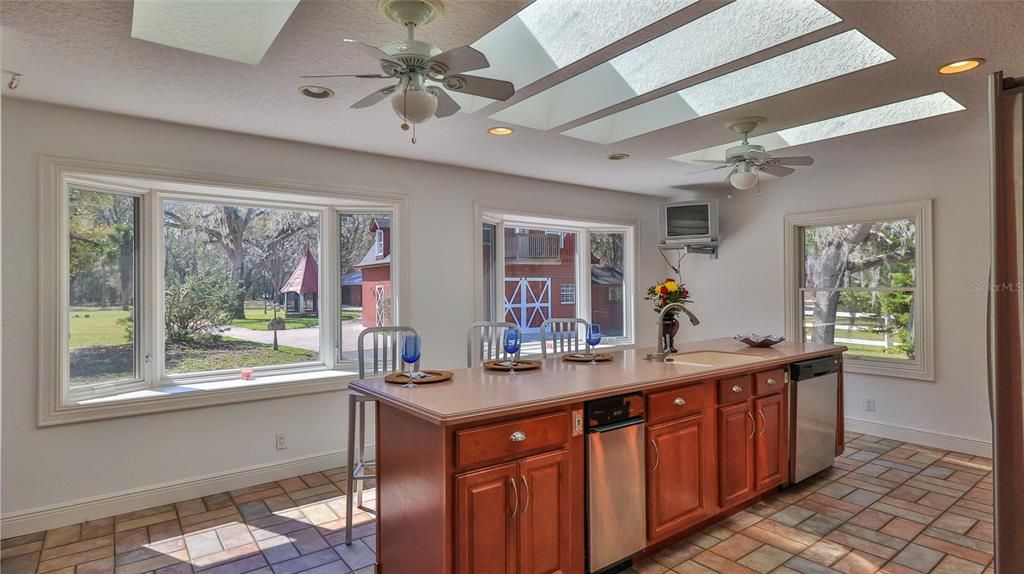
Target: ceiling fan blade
721 161
712 186
370 76
446 106
720 166
795 160
371 51
477 86
777 170
374 97
756 155
459 60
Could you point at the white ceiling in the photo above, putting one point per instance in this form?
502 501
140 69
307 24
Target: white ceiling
80 53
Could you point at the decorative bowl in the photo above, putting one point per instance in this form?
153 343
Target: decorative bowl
755 340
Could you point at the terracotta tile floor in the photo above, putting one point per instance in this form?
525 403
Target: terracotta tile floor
885 507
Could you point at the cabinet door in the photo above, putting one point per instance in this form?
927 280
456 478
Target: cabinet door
735 454
545 515
485 521
772 464
681 463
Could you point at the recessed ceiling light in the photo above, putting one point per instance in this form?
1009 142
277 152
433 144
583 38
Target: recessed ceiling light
500 131
960 66
316 92
618 156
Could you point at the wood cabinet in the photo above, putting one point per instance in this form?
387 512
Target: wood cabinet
753 447
680 486
513 518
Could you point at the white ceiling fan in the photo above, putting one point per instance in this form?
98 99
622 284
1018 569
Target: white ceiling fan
748 160
422 71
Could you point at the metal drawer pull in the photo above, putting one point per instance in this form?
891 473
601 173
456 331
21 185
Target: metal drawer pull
753 425
657 460
771 381
764 422
515 491
526 487
518 436
680 401
737 389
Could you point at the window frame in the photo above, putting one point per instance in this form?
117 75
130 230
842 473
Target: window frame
158 391
922 366
582 226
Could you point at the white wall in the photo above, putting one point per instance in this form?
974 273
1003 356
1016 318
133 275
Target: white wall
946 160
56 465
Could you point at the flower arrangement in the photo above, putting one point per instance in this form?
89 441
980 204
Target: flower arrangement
668 291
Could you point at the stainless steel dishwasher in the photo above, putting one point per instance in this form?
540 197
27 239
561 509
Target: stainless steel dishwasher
813 394
616 491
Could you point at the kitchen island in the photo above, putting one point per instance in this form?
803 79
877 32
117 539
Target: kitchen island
486 473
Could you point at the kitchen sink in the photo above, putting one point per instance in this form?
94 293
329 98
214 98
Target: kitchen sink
710 359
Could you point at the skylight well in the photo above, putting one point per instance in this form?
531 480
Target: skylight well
548 35
919 108
830 58
701 45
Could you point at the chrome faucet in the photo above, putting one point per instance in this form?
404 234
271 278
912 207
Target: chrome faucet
662 352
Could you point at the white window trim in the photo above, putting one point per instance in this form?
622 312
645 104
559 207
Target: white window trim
923 367
517 218
180 392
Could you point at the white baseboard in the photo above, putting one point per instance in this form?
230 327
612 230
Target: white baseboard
91 508
922 437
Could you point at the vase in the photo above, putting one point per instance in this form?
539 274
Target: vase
669 329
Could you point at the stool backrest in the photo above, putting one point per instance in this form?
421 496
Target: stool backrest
487 341
565 334
386 344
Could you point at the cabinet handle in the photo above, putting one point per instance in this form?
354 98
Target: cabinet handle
515 493
518 436
526 487
657 452
737 389
771 381
753 425
764 422
680 401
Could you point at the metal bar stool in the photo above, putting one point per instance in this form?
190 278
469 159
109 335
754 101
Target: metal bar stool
386 343
565 335
490 343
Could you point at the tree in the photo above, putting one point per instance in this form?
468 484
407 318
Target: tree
102 242
355 239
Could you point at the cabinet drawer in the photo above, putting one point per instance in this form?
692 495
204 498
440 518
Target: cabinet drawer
768 382
734 390
505 440
675 403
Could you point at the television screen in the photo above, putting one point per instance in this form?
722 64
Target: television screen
687 221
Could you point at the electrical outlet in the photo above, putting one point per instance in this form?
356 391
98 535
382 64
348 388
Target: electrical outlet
281 441
869 405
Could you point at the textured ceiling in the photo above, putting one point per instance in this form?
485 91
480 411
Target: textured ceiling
80 53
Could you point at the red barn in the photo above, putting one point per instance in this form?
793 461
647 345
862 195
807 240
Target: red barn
376 270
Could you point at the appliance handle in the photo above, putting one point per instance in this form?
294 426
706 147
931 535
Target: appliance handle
617 425
657 452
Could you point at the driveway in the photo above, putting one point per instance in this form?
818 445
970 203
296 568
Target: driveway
308 338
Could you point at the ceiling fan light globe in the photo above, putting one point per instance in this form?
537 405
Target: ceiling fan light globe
743 179
414 106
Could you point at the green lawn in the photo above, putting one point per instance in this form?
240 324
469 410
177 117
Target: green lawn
91 327
257 320
231 353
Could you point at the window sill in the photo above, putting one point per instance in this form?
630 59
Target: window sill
888 368
194 395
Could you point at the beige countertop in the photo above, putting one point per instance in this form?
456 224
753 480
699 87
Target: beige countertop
476 394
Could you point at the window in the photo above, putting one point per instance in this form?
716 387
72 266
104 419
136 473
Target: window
534 273
568 293
166 289
861 278
367 283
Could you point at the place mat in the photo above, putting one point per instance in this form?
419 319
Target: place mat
521 365
584 358
435 377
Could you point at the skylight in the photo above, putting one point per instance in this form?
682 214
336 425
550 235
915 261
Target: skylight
753 25
824 60
896 113
548 35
